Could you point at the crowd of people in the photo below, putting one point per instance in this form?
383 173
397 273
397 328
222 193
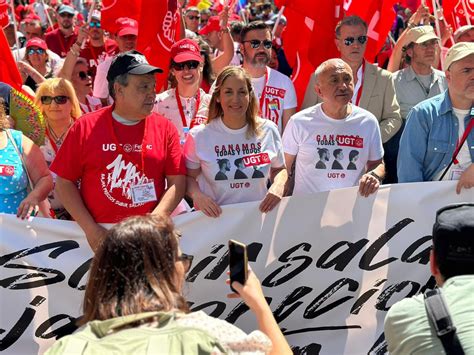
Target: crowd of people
92 141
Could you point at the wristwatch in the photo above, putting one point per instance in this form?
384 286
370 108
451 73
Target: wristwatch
376 176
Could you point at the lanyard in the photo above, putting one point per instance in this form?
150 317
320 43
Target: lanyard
262 97
88 107
120 147
359 92
181 111
51 140
462 140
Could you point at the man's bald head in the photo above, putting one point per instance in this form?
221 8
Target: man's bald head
333 64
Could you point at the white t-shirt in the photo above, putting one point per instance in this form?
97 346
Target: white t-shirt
279 95
236 59
464 157
101 85
93 104
167 106
234 168
331 154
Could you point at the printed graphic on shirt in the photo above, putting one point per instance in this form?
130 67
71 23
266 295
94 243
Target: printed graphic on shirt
120 176
7 170
242 166
273 103
342 157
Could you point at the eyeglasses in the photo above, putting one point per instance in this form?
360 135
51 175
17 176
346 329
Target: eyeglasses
65 14
192 18
84 75
190 64
94 24
350 40
255 43
32 51
187 261
60 100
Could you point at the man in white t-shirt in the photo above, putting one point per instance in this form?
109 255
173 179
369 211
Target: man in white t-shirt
335 143
275 91
434 128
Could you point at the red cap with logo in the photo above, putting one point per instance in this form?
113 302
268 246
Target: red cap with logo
213 24
184 50
37 42
126 26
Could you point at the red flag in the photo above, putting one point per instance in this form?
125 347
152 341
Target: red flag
379 16
158 31
455 14
9 73
4 21
113 9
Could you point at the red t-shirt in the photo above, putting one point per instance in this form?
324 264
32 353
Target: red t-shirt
96 55
106 157
58 43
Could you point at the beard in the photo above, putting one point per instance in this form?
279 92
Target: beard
258 60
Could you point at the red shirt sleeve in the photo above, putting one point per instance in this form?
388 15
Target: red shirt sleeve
174 164
68 161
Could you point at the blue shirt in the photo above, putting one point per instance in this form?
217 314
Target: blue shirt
13 179
429 140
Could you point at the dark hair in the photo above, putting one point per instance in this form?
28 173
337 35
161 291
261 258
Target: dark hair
336 152
222 162
236 30
450 268
134 271
352 20
4 124
238 161
208 74
406 57
122 79
353 153
322 151
253 26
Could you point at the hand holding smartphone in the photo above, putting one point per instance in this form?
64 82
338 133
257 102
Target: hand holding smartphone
238 263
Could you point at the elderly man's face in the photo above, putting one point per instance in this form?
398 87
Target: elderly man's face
460 76
335 84
467 36
424 53
138 97
32 30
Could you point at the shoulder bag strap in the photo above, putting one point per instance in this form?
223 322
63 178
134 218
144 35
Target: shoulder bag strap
10 137
438 313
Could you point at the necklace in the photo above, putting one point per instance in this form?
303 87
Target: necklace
58 140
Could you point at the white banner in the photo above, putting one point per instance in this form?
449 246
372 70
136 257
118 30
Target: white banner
331 265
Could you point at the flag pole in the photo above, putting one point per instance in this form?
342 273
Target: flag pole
47 14
277 21
451 37
15 28
438 30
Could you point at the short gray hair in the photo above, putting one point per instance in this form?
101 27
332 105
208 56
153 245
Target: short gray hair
121 79
322 67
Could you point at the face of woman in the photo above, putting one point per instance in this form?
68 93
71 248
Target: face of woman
36 57
185 75
55 112
81 80
234 97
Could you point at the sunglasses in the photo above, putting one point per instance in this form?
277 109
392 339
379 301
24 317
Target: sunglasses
60 100
190 64
94 24
32 51
187 261
255 43
84 75
194 17
64 14
350 40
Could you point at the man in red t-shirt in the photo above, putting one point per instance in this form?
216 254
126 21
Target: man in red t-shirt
97 47
128 160
61 39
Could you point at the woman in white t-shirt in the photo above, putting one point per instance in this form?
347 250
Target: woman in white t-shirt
185 104
232 156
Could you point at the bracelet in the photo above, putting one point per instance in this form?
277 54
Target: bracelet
376 176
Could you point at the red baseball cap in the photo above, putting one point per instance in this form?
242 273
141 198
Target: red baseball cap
126 26
37 42
213 24
184 50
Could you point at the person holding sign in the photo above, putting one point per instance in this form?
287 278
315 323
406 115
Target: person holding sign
123 155
221 156
438 141
186 104
150 314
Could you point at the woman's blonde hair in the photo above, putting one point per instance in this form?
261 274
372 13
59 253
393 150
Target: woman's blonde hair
4 124
215 107
58 86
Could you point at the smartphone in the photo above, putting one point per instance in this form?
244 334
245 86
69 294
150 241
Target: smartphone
238 263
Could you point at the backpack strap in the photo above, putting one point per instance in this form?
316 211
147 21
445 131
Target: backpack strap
439 317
